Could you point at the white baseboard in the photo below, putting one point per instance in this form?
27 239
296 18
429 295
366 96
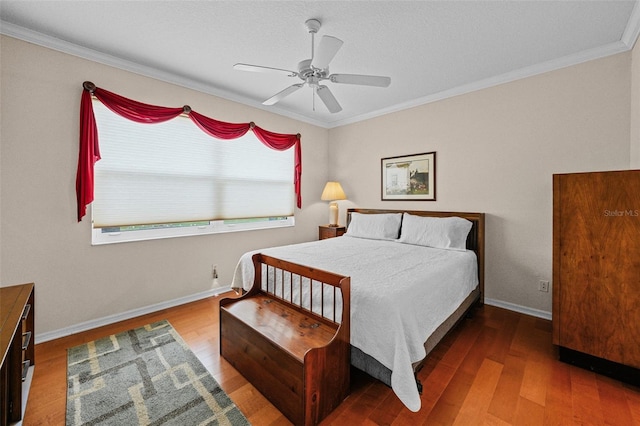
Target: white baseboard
519 308
88 325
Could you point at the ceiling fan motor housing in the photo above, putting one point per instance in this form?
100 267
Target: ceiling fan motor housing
305 70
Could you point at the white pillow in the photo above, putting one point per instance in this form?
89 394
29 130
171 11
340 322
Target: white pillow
438 232
384 226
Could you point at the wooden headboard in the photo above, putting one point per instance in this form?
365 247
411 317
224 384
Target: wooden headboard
475 239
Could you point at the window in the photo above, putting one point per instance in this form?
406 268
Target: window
171 179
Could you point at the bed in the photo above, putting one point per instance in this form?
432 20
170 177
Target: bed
414 275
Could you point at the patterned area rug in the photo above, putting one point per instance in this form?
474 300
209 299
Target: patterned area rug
146 376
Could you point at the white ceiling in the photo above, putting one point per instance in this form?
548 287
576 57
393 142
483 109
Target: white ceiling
430 49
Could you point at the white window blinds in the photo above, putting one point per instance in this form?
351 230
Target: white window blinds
173 172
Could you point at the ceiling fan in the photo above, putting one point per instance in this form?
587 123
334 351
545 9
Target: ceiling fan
315 70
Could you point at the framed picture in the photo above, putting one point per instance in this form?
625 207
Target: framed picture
409 177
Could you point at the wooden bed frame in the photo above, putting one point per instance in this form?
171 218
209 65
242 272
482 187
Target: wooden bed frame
260 329
475 242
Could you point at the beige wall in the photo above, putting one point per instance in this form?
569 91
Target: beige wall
41 239
496 152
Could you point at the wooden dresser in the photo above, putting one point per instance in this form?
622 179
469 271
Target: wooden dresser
16 349
596 271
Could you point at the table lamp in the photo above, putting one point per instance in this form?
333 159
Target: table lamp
332 192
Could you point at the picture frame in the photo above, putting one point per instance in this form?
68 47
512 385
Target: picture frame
409 177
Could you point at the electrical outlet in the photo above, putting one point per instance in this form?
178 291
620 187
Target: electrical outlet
543 286
214 277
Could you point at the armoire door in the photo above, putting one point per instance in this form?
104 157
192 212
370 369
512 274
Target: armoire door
596 264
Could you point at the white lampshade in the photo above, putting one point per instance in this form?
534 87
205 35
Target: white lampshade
332 192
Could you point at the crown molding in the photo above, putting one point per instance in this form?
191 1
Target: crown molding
59 45
631 32
626 43
628 39
556 64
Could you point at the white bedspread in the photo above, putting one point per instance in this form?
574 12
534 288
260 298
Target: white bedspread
400 294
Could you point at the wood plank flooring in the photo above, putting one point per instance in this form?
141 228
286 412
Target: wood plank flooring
496 368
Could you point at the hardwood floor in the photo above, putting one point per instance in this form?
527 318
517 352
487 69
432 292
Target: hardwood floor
496 368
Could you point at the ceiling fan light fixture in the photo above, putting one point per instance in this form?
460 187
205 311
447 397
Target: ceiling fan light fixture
313 71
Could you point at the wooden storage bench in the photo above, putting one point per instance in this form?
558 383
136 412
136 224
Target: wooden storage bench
289 336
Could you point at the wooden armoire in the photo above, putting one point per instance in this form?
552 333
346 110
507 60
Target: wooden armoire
596 271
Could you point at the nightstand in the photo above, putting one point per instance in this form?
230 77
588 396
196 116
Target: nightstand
326 231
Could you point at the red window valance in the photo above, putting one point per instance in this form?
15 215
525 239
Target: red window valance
144 113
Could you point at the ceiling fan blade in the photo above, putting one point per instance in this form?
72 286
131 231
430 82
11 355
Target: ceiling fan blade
328 99
260 68
364 80
282 94
327 49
